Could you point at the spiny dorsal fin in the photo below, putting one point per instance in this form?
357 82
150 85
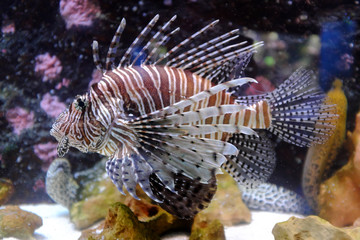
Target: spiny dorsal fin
114 46
154 39
186 42
138 40
215 59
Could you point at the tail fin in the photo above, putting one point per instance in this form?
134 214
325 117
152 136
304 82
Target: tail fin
299 114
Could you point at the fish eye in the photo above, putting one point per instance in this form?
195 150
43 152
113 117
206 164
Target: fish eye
80 103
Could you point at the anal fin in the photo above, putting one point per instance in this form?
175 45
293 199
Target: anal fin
255 161
191 195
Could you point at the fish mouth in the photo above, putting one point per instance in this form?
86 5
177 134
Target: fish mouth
63 146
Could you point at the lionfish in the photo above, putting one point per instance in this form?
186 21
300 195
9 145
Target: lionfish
171 122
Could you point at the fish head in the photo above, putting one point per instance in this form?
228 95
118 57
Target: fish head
76 127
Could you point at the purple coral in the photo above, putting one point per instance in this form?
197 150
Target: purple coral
39 185
49 67
8 27
79 12
20 119
64 83
51 105
47 152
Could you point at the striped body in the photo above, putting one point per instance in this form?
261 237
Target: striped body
135 91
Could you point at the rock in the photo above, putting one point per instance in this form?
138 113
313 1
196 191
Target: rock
207 229
122 223
18 223
227 205
99 193
320 157
6 190
95 205
340 195
312 228
60 184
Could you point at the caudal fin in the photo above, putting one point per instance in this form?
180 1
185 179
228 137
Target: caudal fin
298 112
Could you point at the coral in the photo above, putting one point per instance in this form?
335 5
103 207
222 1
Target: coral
39 185
207 229
320 157
47 152
6 190
64 83
340 195
227 205
49 67
51 105
18 223
345 62
79 12
8 27
263 86
20 119
311 228
121 223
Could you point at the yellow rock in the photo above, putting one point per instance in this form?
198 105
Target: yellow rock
18 223
340 195
312 228
206 229
227 205
121 223
94 207
6 190
320 157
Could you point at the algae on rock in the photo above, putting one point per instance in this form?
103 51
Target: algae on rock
204 228
121 223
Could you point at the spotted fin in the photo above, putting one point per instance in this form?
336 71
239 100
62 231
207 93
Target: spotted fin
255 162
190 197
273 198
299 114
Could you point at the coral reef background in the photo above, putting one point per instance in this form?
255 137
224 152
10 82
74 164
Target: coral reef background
46 60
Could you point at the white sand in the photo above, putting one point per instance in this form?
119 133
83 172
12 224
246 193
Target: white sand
57 226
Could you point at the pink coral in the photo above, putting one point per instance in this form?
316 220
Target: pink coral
49 67
79 12
64 83
345 62
263 86
8 27
39 185
20 119
47 152
51 105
